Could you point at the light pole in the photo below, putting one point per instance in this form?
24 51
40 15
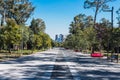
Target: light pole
111 28
111 15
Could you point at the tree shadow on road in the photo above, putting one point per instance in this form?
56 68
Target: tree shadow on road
93 68
28 68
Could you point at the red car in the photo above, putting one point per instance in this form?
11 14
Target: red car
96 54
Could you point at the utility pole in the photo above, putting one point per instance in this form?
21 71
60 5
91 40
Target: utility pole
118 18
112 17
111 34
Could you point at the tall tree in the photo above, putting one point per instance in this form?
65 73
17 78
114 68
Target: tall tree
37 25
77 38
12 34
77 23
20 10
98 5
102 30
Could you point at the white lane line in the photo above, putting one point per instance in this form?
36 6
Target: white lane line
51 70
71 66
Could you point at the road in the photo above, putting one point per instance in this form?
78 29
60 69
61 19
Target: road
59 64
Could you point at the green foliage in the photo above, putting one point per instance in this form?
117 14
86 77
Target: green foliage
84 36
37 41
69 41
116 37
19 10
98 5
37 25
46 40
11 34
15 34
37 35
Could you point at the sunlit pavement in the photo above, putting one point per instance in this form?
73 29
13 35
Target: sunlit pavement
59 64
88 68
37 66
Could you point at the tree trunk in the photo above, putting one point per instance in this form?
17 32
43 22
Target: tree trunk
9 48
96 11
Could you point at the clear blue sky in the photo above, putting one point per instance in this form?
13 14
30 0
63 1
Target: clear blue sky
58 14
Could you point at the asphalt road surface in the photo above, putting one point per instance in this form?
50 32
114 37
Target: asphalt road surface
59 64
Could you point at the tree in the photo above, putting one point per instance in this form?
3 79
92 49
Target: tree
12 34
37 41
70 41
77 38
116 37
19 10
37 25
30 42
46 40
24 35
77 23
98 5
41 39
1 39
88 21
89 35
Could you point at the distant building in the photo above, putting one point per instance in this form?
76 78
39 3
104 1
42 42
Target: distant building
56 37
59 38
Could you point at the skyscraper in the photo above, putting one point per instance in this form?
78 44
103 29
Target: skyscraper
56 38
59 38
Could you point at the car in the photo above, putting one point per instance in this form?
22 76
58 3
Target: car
96 54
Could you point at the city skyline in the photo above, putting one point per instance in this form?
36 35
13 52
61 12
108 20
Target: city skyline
59 38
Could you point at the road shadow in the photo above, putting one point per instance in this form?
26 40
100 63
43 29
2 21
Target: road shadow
61 71
99 75
28 68
36 72
93 68
24 59
33 67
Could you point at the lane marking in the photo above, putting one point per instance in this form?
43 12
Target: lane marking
73 71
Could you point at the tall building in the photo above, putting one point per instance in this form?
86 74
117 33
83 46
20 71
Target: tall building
56 38
59 38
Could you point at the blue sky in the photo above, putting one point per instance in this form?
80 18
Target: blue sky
58 14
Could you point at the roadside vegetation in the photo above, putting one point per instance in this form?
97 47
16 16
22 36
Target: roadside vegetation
17 38
88 35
